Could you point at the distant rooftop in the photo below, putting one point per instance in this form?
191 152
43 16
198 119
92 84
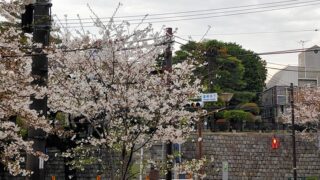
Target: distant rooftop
284 77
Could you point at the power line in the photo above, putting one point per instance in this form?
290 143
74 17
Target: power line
251 33
163 43
280 64
297 66
181 38
194 11
206 17
283 69
179 43
203 14
81 49
276 80
271 79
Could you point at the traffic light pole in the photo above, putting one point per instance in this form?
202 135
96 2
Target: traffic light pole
41 34
168 67
294 159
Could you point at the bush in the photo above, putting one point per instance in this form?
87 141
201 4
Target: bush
250 107
238 116
219 115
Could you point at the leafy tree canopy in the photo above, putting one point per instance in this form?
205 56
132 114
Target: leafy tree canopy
227 67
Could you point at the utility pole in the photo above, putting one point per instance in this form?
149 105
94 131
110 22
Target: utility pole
211 58
41 34
168 67
294 159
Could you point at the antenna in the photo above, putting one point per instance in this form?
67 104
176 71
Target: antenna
302 42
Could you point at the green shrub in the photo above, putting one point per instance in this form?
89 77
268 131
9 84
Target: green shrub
219 115
238 116
250 107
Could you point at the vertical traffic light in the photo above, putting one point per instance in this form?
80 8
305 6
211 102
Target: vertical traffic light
275 143
27 19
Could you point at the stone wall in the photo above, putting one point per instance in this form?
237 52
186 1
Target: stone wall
250 156
55 166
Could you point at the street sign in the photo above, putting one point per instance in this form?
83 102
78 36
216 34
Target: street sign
41 162
225 170
209 97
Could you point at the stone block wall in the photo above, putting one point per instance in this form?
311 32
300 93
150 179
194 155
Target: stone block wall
250 156
55 166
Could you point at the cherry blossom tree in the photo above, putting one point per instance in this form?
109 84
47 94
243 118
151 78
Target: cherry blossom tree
114 83
306 106
110 80
15 92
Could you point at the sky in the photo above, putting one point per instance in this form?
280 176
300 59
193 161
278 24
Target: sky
270 30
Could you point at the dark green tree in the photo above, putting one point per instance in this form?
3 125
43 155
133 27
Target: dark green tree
227 67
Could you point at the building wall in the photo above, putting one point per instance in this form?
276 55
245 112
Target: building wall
309 68
275 102
306 74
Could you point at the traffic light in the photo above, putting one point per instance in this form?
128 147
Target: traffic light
195 104
27 19
275 143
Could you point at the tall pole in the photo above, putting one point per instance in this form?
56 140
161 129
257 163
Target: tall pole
294 160
41 34
141 163
200 139
211 58
168 67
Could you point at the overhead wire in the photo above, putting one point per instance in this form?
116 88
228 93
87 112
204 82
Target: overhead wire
199 14
280 64
185 12
276 80
79 49
283 69
316 50
181 38
179 43
251 33
206 17
271 79
289 51
297 66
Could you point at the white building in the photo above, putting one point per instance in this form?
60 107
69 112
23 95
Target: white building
284 77
275 99
309 67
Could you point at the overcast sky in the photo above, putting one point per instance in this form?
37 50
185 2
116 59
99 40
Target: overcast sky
228 28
